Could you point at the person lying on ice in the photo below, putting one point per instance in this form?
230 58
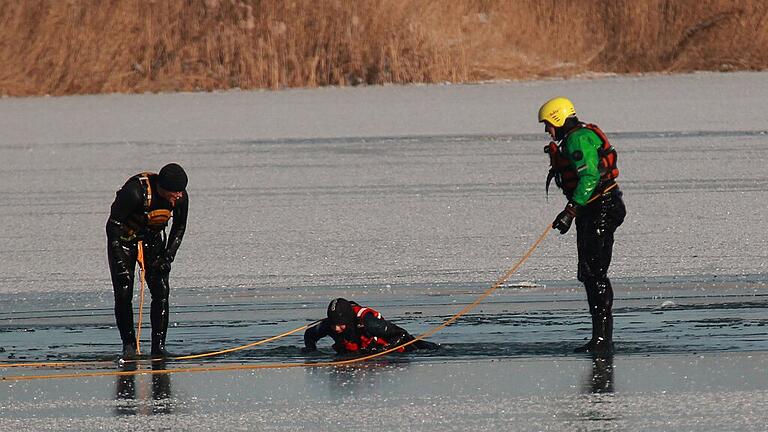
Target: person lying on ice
357 329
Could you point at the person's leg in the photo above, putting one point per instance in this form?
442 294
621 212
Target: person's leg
584 274
122 266
159 314
595 236
595 247
611 217
418 345
426 345
602 319
157 281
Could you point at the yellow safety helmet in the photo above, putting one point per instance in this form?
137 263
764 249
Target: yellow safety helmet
555 111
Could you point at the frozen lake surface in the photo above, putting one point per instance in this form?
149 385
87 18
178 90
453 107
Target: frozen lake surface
412 200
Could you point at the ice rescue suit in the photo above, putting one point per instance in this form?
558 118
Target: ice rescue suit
139 213
583 165
367 332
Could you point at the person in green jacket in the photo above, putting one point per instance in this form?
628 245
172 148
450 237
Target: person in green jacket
583 165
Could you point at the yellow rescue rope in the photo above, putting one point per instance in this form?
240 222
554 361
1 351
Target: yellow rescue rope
138 361
426 334
142 269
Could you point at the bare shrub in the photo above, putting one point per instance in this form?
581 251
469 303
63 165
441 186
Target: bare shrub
95 46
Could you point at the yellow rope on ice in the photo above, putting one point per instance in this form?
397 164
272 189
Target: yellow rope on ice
140 259
193 369
185 357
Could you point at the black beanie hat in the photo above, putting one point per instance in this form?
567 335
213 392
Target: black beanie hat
340 312
173 178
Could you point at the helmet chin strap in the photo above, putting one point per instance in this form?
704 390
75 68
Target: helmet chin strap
570 124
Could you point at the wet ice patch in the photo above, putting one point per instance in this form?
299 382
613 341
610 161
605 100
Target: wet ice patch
522 285
667 304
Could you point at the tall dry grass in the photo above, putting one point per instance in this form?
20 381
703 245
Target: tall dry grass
94 46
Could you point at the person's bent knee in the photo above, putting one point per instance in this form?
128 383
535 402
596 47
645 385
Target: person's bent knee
159 291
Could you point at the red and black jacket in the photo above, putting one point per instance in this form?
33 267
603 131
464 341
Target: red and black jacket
564 173
369 331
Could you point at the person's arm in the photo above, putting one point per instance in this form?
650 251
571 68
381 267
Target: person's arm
581 148
379 327
394 335
314 334
178 227
128 200
582 151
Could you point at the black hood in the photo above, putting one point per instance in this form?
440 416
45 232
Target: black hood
173 178
340 312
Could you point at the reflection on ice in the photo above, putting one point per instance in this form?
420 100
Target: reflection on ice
143 395
600 379
348 381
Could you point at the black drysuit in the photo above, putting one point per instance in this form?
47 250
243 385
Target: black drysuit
130 222
368 327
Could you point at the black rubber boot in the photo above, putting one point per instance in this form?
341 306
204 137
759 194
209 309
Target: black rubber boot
587 347
159 352
604 342
158 345
602 336
129 351
159 318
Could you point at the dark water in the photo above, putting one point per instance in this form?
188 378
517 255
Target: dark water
516 322
508 362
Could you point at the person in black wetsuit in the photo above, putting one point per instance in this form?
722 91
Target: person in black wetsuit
140 212
357 329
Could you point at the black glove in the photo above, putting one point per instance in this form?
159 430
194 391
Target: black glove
403 338
563 221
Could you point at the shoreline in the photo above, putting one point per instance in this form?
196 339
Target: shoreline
582 77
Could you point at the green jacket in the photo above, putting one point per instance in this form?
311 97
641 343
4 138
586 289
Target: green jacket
581 149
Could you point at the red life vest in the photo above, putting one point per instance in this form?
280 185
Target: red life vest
565 175
365 340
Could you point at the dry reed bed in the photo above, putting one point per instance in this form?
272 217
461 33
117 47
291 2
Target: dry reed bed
94 46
